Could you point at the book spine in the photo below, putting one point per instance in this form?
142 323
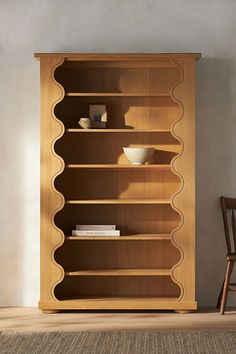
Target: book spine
95 233
95 227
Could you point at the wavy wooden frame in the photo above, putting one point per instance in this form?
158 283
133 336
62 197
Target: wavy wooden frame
180 178
183 201
51 166
183 165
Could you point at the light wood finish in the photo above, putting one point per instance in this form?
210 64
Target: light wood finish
135 219
127 113
121 183
120 289
119 272
128 254
87 179
83 148
119 201
118 56
51 165
122 238
116 94
117 130
183 165
115 166
31 319
113 303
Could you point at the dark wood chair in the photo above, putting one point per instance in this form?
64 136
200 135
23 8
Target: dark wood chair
228 206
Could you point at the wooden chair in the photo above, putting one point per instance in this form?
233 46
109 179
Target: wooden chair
228 206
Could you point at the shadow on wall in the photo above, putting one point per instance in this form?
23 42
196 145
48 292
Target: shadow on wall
215 141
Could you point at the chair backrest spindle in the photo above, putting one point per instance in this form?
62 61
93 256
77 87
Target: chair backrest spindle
234 228
228 204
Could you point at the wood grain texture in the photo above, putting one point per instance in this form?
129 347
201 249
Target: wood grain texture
51 165
116 166
115 94
129 113
184 166
119 272
150 98
120 303
144 237
123 287
118 56
125 184
83 148
130 219
76 130
128 254
118 201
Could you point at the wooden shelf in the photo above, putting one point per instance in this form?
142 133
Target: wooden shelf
117 166
119 201
116 94
142 237
78 130
120 272
123 298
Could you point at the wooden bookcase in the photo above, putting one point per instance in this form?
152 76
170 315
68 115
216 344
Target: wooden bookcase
86 179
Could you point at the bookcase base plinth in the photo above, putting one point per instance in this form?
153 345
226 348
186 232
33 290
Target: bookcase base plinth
119 304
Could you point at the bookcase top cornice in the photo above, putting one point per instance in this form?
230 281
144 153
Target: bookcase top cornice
118 56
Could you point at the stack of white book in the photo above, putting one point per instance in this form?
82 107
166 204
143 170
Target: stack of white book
95 230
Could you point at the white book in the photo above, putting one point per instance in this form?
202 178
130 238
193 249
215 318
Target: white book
96 233
95 227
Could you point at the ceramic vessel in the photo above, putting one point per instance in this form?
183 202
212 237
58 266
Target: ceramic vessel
138 156
85 123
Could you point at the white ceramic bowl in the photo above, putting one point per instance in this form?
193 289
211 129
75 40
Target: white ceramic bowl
138 156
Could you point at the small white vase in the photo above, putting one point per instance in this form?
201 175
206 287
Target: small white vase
85 123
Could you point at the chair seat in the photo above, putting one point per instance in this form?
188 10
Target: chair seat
231 256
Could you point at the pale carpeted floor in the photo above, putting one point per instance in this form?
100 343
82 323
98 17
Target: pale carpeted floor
119 342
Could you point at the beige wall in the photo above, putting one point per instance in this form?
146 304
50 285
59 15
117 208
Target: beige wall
28 26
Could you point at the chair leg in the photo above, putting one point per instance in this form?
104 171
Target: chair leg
229 270
220 295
